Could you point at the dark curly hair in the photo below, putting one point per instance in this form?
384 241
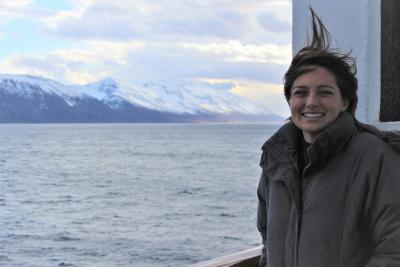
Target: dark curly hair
318 52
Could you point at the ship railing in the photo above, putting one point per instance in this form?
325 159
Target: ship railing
246 258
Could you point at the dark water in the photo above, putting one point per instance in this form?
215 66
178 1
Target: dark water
127 194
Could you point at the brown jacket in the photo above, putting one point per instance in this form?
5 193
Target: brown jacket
343 210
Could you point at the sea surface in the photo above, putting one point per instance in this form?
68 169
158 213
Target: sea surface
127 194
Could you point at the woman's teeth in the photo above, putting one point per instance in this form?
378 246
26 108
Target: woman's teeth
313 115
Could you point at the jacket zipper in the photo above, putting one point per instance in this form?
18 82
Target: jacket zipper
296 247
303 184
297 217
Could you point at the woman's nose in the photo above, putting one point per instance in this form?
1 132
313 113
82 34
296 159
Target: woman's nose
312 99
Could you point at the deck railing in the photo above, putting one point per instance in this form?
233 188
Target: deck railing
246 258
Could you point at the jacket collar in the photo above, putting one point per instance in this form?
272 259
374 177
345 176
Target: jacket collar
332 140
283 145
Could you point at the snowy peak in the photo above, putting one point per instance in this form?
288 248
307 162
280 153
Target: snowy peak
107 86
28 85
197 98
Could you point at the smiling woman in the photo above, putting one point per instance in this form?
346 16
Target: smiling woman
328 193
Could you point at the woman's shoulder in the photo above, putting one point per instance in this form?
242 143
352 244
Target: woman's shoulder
368 141
369 138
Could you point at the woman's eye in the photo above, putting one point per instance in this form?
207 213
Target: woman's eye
325 92
300 92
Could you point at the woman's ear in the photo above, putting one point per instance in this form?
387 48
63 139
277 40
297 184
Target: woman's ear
345 105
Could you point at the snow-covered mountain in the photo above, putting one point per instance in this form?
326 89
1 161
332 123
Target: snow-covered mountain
25 98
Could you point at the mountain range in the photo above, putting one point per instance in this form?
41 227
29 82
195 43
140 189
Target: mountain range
32 99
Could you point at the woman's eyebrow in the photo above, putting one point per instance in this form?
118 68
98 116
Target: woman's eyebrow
325 86
301 87
321 86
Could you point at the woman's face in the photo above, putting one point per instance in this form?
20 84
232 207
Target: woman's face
315 102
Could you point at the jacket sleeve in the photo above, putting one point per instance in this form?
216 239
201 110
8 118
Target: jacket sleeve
385 214
262 217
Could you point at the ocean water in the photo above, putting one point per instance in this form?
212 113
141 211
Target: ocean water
127 194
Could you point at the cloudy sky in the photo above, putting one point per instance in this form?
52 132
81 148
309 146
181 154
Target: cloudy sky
236 45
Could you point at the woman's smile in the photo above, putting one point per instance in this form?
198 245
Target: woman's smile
313 115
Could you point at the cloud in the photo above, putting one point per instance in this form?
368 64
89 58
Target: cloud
268 94
101 52
237 52
270 22
21 65
172 63
182 62
8 7
11 9
173 20
52 67
104 20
